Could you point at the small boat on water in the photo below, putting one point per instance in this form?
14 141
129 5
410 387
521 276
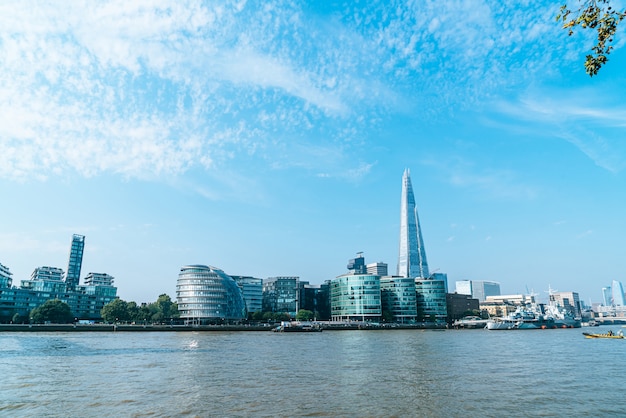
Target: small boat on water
470 322
297 327
609 334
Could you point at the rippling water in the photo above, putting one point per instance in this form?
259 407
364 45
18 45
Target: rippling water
391 373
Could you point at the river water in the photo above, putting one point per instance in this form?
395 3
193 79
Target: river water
388 373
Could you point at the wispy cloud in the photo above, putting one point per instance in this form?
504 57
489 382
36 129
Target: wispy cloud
145 89
593 128
495 182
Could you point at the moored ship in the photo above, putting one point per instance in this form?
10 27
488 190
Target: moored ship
524 317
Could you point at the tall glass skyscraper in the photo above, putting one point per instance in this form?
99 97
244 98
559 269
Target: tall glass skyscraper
412 256
72 276
617 293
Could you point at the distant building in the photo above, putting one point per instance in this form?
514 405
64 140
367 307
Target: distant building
518 299
460 305
607 296
252 291
567 300
498 308
379 269
412 254
280 295
207 295
355 296
617 293
478 289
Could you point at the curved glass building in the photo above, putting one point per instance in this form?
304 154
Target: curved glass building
355 297
206 295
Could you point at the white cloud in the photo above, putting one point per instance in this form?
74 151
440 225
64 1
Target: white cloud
153 88
577 117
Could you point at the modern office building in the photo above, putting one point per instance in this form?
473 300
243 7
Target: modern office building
281 295
75 263
252 291
398 298
316 298
412 255
431 298
460 305
478 289
207 295
355 296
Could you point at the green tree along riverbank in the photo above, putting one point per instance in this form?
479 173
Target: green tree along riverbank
163 310
52 311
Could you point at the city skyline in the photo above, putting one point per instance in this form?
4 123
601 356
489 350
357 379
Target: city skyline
268 139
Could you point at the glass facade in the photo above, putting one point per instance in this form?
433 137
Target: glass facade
76 261
617 293
398 297
412 255
5 277
252 291
206 294
431 299
478 289
355 297
280 294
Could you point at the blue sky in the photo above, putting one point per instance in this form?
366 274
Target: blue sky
270 139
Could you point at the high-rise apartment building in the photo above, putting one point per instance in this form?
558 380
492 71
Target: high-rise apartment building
75 263
412 255
85 301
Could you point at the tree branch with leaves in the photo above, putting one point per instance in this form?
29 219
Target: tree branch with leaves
600 16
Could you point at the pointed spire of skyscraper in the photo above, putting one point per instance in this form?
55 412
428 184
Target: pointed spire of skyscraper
412 256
